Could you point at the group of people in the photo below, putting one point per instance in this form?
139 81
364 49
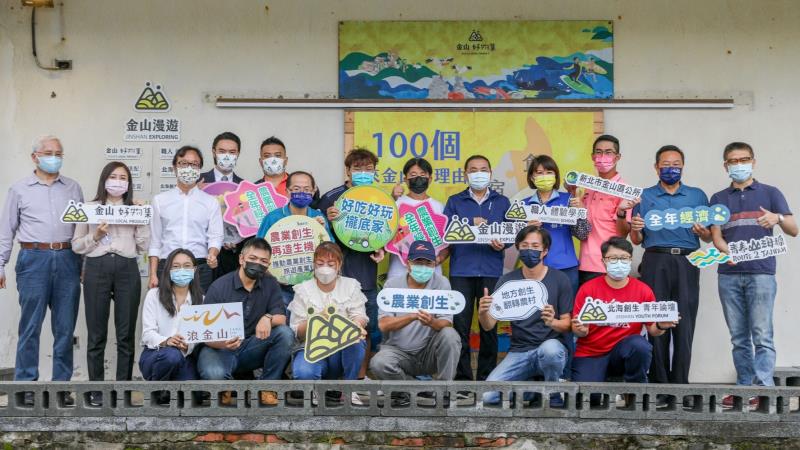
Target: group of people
195 258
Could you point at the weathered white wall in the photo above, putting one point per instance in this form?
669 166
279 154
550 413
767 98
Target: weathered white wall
201 48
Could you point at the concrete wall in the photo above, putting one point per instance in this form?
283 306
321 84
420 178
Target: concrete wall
200 49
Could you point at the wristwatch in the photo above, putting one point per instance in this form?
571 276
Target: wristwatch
780 219
621 216
269 317
659 327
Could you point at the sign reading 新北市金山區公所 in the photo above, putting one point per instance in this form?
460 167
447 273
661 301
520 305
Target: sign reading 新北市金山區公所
599 184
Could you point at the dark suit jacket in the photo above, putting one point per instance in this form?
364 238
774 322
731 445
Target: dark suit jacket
208 177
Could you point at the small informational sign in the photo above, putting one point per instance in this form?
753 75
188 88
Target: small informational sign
599 312
149 129
518 300
561 215
120 153
165 186
707 257
755 249
433 301
294 240
671 219
211 323
328 332
166 153
613 188
247 206
367 219
77 212
138 185
165 170
459 231
417 223
136 170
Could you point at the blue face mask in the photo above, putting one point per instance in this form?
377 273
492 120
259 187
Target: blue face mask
50 164
670 175
740 172
362 178
531 258
301 199
181 277
420 273
618 270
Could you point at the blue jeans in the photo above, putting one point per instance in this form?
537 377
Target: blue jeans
287 292
374 333
547 360
271 355
166 364
747 301
47 279
343 364
630 358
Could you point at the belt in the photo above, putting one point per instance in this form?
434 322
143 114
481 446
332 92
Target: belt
670 250
46 245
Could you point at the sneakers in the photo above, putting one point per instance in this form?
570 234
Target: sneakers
96 399
268 398
400 400
27 399
556 401
729 401
355 399
226 398
66 399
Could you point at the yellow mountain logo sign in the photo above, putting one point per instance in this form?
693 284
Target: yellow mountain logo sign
151 99
326 335
592 312
74 214
516 212
458 231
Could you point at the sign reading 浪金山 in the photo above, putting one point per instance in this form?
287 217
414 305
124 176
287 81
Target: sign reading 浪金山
708 257
598 312
417 223
755 249
249 204
602 185
211 323
147 129
670 219
563 215
123 153
518 300
293 240
433 301
459 231
367 218
328 332
77 212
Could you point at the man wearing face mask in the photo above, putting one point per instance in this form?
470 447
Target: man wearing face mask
747 290
268 340
476 267
665 267
48 271
619 349
186 217
417 343
608 216
538 343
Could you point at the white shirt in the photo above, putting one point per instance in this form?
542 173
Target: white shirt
396 266
475 196
192 221
346 296
157 324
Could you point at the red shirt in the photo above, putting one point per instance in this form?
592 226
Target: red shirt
602 338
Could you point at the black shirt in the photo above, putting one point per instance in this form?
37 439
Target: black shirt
265 298
356 265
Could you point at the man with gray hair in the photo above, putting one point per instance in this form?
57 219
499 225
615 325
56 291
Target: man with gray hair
47 270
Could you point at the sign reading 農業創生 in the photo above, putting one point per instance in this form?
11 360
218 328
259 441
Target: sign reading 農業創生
755 249
147 129
518 300
562 215
123 153
367 218
602 185
459 231
671 219
249 204
294 240
77 212
433 301
599 312
211 323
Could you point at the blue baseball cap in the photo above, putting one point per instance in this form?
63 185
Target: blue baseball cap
421 250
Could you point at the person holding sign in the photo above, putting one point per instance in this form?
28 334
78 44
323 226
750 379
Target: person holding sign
665 267
747 290
268 341
417 343
476 267
186 217
111 271
609 216
48 271
612 350
539 343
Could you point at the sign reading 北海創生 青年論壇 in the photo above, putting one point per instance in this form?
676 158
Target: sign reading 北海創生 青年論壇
599 312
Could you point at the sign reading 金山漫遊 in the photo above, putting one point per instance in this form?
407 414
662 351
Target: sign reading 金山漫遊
77 212
211 323
599 312
459 231
433 301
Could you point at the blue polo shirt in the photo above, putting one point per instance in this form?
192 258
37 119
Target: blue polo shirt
655 197
280 213
745 205
561 254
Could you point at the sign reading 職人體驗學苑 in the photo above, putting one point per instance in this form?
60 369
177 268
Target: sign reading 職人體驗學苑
518 300
459 231
562 215
211 323
599 184
671 219
328 332
458 60
417 223
77 212
599 312
367 218
293 240
249 204
755 249
433 301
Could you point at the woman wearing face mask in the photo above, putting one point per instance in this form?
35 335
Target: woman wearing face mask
545 177
417 173
111 271
326 289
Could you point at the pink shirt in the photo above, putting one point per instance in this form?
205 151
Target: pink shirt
602 214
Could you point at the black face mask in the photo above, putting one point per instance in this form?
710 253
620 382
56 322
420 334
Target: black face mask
254 270
418 185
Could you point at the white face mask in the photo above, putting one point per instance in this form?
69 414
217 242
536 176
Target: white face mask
226 161
325 274
272 166
187 175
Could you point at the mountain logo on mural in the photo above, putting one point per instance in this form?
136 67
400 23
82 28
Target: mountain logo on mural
152 99
475 36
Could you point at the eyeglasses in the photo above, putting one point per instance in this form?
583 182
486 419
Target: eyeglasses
736 161
616 259
295 189
46 153
604 152
185 164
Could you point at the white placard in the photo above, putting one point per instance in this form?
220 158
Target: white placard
211 323
433 301
598 312
138 185
518 300
459 231
755 249
165 170
599 184
166 186
123 153
166 153
136 170
77 212
561 215
152 129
